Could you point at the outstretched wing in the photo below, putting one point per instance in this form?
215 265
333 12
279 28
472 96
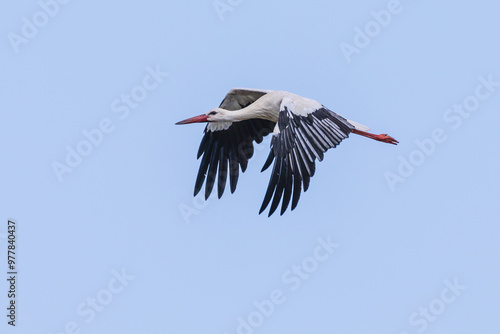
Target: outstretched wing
227 147
300 137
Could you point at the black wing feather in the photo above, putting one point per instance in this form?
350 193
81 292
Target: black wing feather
222 177
234 170
212 170
288 176
297 185
270 188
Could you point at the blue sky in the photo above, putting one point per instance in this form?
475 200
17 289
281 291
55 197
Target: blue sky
388 239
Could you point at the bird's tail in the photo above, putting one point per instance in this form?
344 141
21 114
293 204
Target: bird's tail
358 126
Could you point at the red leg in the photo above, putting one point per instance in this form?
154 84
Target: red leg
383 137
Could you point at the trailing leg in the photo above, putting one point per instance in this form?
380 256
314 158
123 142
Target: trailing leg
383 137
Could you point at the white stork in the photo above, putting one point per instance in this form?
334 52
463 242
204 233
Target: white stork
303 130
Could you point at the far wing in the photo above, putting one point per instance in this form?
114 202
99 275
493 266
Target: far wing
299 140
239 98
228 148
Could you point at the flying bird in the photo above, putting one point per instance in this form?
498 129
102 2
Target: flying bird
303 130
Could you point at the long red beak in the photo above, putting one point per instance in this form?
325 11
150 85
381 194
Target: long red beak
195 119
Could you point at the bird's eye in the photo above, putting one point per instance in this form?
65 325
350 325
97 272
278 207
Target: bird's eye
212 113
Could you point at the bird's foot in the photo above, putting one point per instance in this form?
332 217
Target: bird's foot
386 139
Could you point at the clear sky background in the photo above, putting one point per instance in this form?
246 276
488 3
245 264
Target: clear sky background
388 239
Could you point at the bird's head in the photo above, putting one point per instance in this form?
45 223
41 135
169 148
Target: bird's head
214 115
